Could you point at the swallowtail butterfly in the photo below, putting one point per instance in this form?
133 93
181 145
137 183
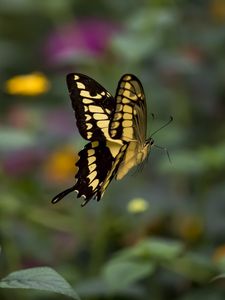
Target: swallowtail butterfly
115 128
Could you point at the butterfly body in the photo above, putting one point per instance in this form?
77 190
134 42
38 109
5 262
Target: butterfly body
115 128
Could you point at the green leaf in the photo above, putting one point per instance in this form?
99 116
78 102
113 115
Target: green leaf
193 266
155 249
99 288
120 274
41 278
220 264
218 277
160 249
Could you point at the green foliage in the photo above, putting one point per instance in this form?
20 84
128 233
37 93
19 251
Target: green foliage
120 274
41 278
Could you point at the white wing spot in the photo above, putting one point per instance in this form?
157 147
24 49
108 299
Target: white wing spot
89 126
87 117
92 167
118 116
127 116
85 93
119 107
115 125
89 135
91 152
80 85
87 101
91 159
103 124
95 109
95 144
94 183
128 86
128 132
127 109
127 123
125 101
127 77
92 176
100 117
113 132
119 98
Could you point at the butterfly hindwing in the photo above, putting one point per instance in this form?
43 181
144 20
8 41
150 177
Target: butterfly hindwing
129 120
93 106
97 166
93 166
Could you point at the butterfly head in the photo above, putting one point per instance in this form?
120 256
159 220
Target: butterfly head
149 143
146 148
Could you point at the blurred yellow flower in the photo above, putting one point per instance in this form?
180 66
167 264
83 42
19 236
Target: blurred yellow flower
217 8
27 85
137 205
60 166
189 227
219 253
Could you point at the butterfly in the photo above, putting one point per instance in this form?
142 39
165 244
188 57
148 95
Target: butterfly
115 128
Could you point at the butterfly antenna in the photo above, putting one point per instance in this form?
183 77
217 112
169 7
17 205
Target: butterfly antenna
167 123
153 116
166 150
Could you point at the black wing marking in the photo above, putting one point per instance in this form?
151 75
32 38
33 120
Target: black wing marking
93 106
113 171
96 168
129 121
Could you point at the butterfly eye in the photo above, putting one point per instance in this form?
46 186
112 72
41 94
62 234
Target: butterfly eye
151 141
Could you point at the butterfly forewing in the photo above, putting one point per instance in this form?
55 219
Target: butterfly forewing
130 117
93 106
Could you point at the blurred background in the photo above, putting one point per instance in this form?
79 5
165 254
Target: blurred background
176 48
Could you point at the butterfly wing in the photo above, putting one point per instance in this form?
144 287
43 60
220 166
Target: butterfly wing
93 106
129 120
96 168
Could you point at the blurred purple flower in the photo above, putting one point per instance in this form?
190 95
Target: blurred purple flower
20 162
88 37
61 122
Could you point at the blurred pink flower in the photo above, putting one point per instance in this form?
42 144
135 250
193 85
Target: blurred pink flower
60 122
20 162
18 116
88 37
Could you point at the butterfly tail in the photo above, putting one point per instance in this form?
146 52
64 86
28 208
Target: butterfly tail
61 195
